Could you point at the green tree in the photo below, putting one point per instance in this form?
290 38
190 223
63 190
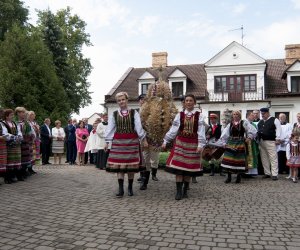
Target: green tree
28 76
11 11
65 35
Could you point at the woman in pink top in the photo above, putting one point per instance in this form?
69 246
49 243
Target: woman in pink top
82 135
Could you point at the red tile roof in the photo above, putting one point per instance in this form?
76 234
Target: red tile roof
197 79
274 84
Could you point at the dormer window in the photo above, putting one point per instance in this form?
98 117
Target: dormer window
144 88
295 84
144 82
177 89
177 83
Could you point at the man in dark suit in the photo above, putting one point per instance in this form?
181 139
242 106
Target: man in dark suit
46 139
71 142
213 134
89 127
66 140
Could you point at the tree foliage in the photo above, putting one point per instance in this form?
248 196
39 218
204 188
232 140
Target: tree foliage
11 12
65 36
28 76
42 67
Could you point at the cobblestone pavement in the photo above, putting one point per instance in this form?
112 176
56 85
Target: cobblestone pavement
72 207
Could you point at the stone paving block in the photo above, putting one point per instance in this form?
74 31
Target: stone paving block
44 248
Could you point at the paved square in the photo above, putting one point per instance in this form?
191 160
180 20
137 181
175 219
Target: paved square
72 207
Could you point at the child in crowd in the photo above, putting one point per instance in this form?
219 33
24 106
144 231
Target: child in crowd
293 154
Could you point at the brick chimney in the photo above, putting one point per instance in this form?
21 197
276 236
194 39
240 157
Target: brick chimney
292 53
159 59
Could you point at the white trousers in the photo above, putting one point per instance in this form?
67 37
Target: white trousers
268 155
151 159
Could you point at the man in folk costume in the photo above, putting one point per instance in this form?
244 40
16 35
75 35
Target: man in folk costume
269 133
141 100
157 114
256 116
26 145
213 134
125 132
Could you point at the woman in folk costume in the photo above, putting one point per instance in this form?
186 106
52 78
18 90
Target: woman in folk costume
58 141
124 131
36 145
3 147
14 139
184 160
101 154
26 144
293 154
234 137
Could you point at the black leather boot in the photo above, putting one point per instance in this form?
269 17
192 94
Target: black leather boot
194 179
130 192
31 171
7 178
185 189
154 171
228 180
145 180
221 171
19 174
179 190
141 177
238 178
212 167
121 188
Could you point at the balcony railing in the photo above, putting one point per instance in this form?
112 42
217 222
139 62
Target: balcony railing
234 96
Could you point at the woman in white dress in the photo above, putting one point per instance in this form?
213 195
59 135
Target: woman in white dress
58 136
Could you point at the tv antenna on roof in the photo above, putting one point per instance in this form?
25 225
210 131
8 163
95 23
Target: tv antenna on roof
242 30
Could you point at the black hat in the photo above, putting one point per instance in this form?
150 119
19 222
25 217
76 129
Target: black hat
142 96
264 110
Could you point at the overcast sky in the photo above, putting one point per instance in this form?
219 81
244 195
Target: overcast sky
125 32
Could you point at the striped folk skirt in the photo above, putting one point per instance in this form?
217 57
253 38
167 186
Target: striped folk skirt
183 159
234 160
58 147
124 155
26 154
14 157
294 162
3 156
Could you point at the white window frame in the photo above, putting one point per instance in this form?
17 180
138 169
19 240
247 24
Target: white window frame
289 80
146 78
178 76
178 80
144 82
